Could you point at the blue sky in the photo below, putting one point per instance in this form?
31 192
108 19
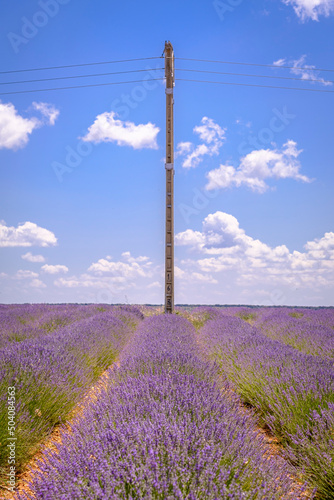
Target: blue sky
82 170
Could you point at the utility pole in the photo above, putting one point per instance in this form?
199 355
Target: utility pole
169 165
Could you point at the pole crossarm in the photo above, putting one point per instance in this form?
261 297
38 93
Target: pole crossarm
169 239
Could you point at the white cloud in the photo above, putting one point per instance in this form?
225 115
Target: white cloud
224 247
107 128
51 269
33 258
186 277
322 248
280 62
114 277
155 284
128 257
189 237
49 111
123 269
213 137
14 129
131 268
303 71
25 235
311 9
306 71
25 274
99 282
257 166
36 283
74 282
183 148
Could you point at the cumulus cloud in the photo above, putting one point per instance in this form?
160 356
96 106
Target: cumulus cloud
130 267
311 9
25 274
193 277
49 111
36 283
213 137
183 148
155 284
114 276
51 269
86 280
33 258
280 62
189 237
117 269
15 130
258 166
224 246
303 71
128 257
25 235
108 128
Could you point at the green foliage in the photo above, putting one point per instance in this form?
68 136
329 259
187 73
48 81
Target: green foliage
247 316
296 314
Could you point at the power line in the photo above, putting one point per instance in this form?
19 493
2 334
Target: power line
160 57
158 69
79 76
257 76
78 65
79 86
252 64
254 85
160 79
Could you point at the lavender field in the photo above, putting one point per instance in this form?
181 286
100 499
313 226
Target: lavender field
207 403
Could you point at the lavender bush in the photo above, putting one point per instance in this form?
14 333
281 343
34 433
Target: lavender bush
164 428
52 372
19 322
293 392
309 330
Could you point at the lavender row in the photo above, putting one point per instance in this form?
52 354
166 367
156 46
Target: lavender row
51 374
293 392
164 428
309 330
19 322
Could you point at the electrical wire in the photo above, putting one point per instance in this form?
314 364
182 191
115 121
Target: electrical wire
251 64
79 86
257 76
79 76
254 85
78 65
158 69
